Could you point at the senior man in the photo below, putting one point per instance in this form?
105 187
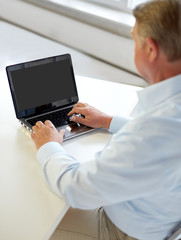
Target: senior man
132 189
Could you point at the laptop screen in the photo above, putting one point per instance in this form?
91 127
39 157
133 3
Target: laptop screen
42 85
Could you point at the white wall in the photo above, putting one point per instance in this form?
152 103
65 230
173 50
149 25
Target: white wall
109 47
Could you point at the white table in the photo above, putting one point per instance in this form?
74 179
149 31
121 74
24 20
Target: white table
28 210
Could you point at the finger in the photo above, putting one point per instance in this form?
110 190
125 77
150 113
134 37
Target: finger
80 104
49 123
35 128
76 106
78 110
62 131
79 120
32 135
73 111
39 124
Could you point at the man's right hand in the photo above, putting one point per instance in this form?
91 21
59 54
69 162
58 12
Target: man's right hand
92 117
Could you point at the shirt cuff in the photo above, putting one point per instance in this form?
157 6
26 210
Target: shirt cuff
118 122
47 150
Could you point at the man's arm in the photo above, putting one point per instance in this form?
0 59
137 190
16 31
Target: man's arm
122 165
97 119
46 132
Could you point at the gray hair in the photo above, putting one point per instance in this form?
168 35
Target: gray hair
161 21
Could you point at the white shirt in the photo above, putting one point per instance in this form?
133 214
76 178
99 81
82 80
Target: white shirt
137 176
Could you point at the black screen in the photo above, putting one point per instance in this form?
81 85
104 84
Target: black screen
44 84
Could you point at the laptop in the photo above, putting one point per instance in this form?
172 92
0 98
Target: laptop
45 89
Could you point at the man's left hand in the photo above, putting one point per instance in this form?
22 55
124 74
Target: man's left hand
46 132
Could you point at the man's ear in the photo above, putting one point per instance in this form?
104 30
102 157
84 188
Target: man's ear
152 49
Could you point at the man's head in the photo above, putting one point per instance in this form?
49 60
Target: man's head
158 24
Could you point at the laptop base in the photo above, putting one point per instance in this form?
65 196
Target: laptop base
71 130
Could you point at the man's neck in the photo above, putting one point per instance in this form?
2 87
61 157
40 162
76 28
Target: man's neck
166 70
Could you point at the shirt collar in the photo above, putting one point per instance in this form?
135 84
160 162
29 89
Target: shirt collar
152 95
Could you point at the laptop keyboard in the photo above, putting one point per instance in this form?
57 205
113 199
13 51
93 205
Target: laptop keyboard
58 118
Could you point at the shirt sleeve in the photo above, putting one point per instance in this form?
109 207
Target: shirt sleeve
118 122
122 171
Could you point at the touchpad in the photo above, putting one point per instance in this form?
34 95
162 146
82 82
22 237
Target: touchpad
75 129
